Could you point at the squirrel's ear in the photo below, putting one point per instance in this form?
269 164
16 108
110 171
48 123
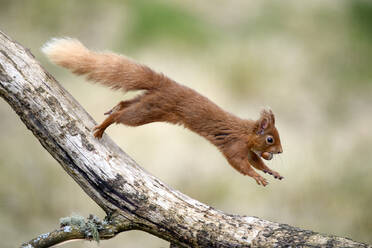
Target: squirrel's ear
266 119
263 124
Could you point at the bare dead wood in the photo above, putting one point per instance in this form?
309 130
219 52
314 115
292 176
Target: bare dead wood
131 197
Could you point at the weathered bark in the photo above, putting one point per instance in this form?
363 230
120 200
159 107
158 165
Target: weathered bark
116 183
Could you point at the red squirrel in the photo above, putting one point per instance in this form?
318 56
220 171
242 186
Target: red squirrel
242 142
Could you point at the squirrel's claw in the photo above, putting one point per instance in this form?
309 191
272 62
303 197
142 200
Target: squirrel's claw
108 112
275 174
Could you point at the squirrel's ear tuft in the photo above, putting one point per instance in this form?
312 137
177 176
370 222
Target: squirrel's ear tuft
272 117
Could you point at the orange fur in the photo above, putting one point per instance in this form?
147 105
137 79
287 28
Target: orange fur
242 142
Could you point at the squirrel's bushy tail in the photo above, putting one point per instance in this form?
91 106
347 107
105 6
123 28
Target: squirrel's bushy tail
112 70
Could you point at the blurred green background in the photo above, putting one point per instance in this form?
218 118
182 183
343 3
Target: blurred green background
309 60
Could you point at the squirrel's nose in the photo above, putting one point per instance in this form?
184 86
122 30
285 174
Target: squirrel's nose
280 150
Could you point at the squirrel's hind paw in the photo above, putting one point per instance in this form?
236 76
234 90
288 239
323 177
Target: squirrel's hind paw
98 132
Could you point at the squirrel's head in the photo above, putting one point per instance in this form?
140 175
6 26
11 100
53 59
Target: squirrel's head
266 141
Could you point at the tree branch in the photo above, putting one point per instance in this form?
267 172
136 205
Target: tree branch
75 227
115 182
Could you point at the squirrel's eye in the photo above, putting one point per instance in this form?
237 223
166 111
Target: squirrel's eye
269 140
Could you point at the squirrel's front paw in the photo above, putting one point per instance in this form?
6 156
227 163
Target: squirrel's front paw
261 181
275 174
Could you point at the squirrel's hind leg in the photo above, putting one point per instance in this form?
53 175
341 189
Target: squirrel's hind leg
98 130
113 117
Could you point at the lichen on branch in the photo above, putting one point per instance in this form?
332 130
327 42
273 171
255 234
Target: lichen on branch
77 227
